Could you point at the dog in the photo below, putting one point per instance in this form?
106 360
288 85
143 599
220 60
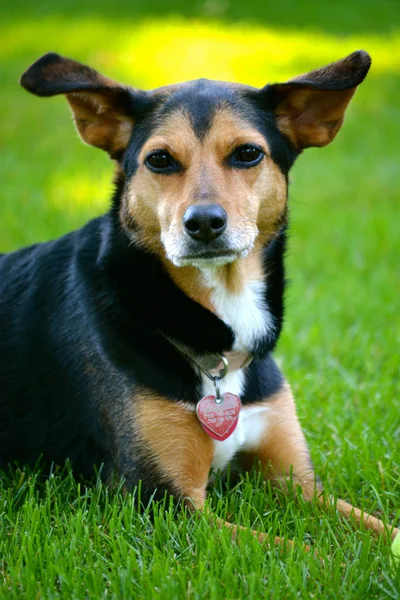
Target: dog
143 341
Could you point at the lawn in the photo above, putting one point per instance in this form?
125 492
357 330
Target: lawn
340 345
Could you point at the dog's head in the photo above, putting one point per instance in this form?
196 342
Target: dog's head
205 163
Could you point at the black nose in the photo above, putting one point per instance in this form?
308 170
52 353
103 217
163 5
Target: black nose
205 222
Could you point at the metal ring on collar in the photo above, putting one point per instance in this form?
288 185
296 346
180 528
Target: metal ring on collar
223 372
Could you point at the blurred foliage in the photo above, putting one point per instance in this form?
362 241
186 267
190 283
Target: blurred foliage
340 17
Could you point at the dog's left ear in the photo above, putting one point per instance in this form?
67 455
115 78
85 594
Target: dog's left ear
310 108
103 109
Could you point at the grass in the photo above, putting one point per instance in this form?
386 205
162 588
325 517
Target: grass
69 541
339 349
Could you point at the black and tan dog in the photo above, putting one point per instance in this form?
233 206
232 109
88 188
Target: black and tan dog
128 343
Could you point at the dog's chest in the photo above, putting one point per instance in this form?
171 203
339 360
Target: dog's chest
246 312
248 316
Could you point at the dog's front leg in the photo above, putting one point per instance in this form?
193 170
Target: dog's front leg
283 452
173 447
179 454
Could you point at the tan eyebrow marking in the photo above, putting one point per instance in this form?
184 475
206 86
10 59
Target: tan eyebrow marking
175 135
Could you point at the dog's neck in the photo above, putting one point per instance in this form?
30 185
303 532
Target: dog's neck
235 293
198 282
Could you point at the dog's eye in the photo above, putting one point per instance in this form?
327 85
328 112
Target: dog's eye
161 162
246 156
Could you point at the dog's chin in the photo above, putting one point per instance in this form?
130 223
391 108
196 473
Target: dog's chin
209 259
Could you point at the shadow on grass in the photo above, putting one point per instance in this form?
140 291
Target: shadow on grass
340 17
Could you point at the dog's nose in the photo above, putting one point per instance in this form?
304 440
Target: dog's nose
205 222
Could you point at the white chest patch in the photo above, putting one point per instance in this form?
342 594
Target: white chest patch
246 313
250 431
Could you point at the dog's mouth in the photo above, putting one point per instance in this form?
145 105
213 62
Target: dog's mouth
189 253
209 254
209 258
214 259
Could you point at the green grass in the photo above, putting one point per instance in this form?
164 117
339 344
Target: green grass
63 539
341 341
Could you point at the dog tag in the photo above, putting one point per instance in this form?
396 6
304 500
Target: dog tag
219 419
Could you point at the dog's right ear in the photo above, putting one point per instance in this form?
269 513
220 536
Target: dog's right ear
102 108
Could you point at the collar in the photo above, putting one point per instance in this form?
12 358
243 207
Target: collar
212 364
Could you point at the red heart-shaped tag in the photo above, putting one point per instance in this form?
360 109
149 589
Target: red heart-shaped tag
219 420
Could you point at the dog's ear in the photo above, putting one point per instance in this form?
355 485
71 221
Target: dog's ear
102 108
310 108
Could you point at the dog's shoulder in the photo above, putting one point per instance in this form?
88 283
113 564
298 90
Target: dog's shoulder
42 292
48 261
